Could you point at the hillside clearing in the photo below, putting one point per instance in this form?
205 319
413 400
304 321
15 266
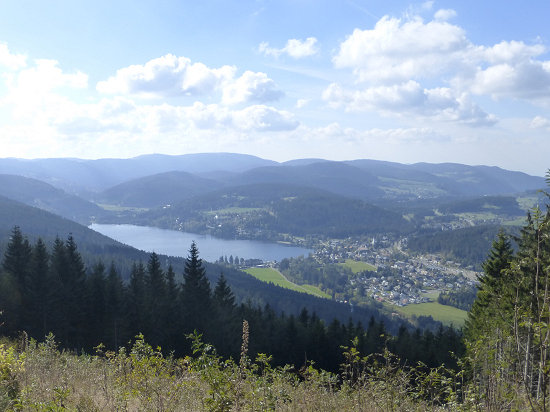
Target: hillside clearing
271 275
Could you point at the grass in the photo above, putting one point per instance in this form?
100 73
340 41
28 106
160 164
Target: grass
445 314
271 275
117 208
141 378
357 267
234 210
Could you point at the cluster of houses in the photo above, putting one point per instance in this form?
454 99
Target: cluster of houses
400 279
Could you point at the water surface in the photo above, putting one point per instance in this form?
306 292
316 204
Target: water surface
175 243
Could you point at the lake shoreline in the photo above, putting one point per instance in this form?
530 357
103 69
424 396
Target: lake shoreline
177 243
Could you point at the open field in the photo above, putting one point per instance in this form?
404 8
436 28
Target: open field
233 210
357 267
275 277
117 208
446 314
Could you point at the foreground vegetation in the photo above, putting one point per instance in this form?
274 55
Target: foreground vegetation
41 377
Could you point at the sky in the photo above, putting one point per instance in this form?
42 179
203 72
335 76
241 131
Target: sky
435 81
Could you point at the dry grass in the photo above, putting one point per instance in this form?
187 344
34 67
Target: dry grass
142 379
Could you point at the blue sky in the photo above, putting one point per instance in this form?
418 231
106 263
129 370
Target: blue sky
435 81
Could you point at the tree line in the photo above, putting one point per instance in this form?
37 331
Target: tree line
507 333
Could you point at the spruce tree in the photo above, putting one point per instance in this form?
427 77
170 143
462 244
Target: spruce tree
39 292
114 302
135 301
195 296
97 304
155 301
17 257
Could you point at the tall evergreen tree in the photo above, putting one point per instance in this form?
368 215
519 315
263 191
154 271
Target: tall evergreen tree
17 257
155 301
114 302
135 301
170 309
494 291
39 292
195 296
16 265
225 321
97 304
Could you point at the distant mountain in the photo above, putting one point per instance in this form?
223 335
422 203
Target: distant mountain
335 177
426 180
88 176
480 180
370 180
36 193
157 190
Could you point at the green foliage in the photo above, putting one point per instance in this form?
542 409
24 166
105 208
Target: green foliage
462 298
468 246
507 331
11 363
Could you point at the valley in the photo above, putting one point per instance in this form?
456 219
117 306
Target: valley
379 233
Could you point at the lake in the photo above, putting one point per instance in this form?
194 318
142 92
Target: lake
175 243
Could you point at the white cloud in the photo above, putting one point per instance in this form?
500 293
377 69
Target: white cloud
9 60
301 103
444 14
265 118
36 92
170 75
251 87
167 76
397 50
540 122
408 99
259 118
294 48
391 60
512 52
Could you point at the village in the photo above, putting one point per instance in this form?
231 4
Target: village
398 278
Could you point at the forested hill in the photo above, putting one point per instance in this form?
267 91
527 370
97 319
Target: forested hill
157 190
37 193
264 209
469 246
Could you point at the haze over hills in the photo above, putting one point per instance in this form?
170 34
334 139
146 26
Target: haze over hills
42 195
158 190
361 178
84 176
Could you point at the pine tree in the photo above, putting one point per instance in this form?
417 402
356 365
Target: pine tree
494 291
195 296
17 257
225 322
114 302
170 310
135 301
39 292
155 301
97 304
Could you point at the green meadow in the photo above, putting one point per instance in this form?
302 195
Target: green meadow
271 275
